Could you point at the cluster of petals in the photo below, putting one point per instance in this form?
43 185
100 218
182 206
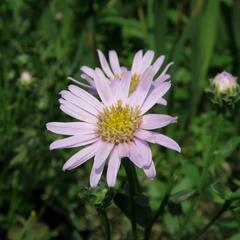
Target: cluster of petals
113 70
85 108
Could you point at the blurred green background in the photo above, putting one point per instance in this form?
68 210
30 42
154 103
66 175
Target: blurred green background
51 40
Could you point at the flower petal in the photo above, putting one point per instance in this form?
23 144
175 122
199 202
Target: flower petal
134 155
70 128
123 149
161 79
145 151
139 95
114 62
147 60
74 141
103 151
162 101
113 167
122 90
81 114
166 68
88 71
103 87
80 157
136 62
154 96
96 175
150 171
88 79
104 64
158 63
158 139
70 97
86 96
153 121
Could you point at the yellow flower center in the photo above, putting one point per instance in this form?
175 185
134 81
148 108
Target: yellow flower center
134 82
116 76
117 123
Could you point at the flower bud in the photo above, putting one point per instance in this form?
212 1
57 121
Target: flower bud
225 83
26 78
225 89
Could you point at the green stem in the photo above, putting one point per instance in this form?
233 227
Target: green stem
133 189
214 219
106 224
159 211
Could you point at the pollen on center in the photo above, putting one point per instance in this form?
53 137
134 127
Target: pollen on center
134 82
118 123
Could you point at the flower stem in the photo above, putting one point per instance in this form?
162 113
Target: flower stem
106 225
133 189
214 219
159 211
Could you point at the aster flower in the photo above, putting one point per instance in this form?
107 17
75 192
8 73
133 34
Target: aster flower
114 127
113 71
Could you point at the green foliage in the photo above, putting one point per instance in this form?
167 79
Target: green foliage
52 39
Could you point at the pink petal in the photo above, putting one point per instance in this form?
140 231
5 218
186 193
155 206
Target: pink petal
147 60
81 114
139 95
70 128
104 64
150 171
104 149
137 62
103 87
86 96
162 101
134 155
166 68
158 139
154 96
113 167
74 141
88 71
123 149
145 151
69 112
123 88
157 65
88 79
96 175
161 79
70 97
80 83
114 62
80 157
153 121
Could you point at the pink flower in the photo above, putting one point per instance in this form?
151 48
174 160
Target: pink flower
114 71
115 127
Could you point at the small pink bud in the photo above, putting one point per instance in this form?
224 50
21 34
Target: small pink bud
225 82
26 78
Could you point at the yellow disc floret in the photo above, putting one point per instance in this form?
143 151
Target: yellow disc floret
117 123
134 82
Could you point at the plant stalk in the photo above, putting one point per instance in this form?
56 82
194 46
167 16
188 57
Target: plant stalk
133 189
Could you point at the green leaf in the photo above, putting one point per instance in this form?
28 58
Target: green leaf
182 195
143 211
226 150
222 190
